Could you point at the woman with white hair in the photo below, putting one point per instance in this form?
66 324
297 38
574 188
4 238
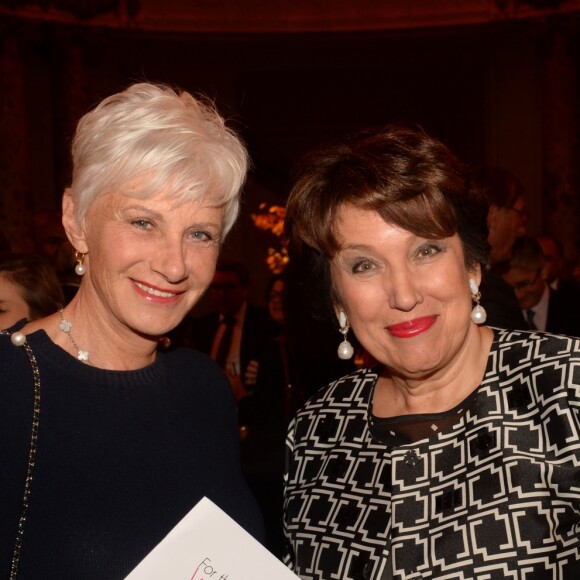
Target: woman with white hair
105 442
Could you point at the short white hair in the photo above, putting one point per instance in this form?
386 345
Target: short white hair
167 137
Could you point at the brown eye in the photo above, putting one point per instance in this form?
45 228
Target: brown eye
429 250
363 266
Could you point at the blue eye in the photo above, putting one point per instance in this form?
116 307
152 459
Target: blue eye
201 236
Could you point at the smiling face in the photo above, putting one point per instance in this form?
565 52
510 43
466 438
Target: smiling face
148 260
13 307
407 298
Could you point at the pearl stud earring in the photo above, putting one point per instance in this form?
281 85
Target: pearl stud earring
80 267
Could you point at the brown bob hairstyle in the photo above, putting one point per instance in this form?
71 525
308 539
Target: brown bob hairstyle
37 281
410 179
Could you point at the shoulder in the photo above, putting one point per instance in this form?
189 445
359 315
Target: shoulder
542 344
9 353
352 388
335 414
548 363
349 394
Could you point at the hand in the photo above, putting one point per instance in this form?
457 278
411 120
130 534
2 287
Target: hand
238 387
251 374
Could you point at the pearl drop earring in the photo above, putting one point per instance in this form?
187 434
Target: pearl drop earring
345 349
80 268
478 314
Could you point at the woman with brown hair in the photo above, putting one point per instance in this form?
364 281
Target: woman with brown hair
458 455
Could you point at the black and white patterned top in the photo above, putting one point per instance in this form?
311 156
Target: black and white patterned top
496 495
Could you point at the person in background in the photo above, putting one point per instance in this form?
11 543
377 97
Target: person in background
29 288
264 415
558 275
280 367
506 220
543 307
275 298
236 332
553 259
106 442
457 455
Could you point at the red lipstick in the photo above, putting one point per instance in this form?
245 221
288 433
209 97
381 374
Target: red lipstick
413 327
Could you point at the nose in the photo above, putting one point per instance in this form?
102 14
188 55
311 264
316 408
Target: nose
169 260
403 290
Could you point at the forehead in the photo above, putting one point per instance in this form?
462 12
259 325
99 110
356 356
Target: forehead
364 227
162 202
352 220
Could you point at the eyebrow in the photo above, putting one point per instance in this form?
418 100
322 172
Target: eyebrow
160 216
356 247
147 210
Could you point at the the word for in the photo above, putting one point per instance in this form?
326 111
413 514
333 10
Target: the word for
207 571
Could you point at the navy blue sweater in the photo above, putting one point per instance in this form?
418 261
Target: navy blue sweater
122 457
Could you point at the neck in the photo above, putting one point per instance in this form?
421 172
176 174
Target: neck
439 391
111 345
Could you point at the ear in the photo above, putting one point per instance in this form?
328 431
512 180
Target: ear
338 308
475 273
336 301
74 231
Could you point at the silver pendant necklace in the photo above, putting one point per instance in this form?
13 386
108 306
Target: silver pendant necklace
66 326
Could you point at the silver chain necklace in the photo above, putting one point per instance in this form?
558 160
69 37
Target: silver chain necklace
66 326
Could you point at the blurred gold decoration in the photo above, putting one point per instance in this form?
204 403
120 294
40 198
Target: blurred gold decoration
271 219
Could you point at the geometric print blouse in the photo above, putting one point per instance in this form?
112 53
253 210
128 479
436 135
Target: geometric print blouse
495 496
